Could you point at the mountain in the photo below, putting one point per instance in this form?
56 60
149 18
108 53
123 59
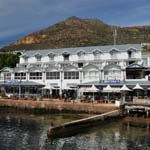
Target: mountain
76 32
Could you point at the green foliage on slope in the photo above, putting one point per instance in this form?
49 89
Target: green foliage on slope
77 32
8 60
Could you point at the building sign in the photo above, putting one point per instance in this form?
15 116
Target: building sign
113 81
12 81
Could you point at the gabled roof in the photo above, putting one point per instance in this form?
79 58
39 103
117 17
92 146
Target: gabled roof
76 50
6 69
134 65
97 51
131 49
51 54
80 52
114 50
90 66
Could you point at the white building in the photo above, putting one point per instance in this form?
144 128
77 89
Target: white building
69 67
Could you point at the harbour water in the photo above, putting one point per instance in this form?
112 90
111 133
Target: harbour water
29 132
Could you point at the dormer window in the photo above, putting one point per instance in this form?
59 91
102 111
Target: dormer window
81 55
113 53
97 54
51 56
66 56
38 57
129 54
25 57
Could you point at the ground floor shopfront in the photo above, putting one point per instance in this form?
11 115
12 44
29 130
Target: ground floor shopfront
34 90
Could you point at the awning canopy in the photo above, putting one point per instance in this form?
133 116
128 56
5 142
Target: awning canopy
138 87
65 87
17 83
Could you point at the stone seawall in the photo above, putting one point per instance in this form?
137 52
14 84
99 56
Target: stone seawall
59 106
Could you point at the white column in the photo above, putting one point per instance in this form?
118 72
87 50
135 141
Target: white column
102 74
12 76
61 82
80 75
44 76
27 76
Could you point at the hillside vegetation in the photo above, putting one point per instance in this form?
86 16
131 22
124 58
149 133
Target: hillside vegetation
76 32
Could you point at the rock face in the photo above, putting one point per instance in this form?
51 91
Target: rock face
75 32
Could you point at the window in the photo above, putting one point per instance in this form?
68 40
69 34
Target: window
82 57
80 65
35 75
91 75
112 75
113 55
52 75
129 54
26 59
145 62
66 57
20 76
7 76
97 56
71 75
51 58
38 58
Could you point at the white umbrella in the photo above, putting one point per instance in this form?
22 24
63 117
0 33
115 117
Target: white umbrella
107 89
138 87
93 90
124 89
47 87
82 89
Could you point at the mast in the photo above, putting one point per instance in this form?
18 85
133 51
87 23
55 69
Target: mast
115 36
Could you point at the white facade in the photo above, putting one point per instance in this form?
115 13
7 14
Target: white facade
72 66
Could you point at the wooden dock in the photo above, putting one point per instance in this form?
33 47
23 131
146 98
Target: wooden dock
137 109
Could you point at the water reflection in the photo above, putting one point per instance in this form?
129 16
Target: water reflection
30 133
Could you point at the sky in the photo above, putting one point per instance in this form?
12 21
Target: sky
21 17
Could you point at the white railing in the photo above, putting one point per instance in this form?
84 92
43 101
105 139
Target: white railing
143 79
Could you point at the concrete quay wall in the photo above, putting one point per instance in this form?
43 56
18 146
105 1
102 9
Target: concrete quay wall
58 106
78 126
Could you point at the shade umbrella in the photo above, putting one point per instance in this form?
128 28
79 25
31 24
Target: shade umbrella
93 90
138 87
107 89
124 89
47 87
82 89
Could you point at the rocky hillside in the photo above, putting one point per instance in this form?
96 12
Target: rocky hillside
75 32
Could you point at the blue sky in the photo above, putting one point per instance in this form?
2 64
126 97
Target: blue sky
21 17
